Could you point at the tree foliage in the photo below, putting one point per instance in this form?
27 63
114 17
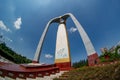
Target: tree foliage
80 63
1 38
112 56
9 54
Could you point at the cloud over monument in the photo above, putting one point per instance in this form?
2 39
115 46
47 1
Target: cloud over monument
18 23
8 39
72 30
48 56
3 26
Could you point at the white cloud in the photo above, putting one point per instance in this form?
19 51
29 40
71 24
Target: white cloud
72 29
21 39
8 39
48 56
3 26
17 23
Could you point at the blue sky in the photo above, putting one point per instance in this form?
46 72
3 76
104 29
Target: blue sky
23 21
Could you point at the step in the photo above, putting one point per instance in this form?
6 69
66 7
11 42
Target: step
2 78
51 77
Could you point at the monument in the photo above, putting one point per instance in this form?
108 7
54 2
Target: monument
92 55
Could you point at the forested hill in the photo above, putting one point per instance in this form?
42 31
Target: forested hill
11 55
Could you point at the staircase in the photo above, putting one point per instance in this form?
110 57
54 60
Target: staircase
63 76
10 71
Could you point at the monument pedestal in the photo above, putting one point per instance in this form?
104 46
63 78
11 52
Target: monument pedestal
35 61
93 59
64 66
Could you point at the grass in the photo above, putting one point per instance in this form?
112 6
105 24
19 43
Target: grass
107 72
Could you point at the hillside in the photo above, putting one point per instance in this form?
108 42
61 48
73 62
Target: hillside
9 54
107 69
106 72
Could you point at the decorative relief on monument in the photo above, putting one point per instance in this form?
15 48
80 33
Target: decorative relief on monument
62 53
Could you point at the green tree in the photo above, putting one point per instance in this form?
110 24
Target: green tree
112 56
10 54
80 63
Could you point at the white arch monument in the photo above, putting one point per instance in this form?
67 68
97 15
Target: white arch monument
91 53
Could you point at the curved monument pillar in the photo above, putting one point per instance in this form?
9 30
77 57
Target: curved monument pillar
62 52
92 55
40 44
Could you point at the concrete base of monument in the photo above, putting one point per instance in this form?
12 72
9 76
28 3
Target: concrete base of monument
26 71
35 62
93 59
64 66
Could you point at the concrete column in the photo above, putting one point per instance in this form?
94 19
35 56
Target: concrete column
62 52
